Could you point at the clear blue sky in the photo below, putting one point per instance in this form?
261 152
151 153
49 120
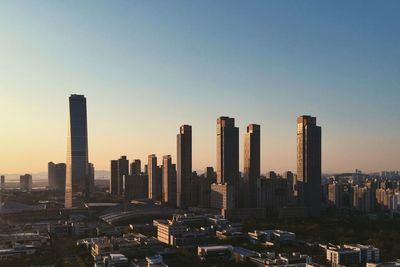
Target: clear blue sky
146 67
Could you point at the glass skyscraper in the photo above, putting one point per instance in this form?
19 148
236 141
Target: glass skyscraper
77 179
309 164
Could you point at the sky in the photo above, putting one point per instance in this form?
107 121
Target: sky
147 67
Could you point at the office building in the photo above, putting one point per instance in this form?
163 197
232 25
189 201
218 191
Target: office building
168 228
184 166
115 260
77 155
228 156
136 167
155 179
309 164
60 170
251 165
272 193
91 178
168 181
227 151
291 185
25 183
114 178
137 186
123 172
211 175
51 169
222 196
119 175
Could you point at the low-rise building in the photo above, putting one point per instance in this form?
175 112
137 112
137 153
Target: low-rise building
212 252
168 228
294 259
352 254
271 237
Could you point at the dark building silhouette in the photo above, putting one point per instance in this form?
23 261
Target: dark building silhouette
227 163
273 193
211 175
168 181
119 174
60 172
56 176
114 178
227 150
136 167
123 172
251 165
291 183
137 186
77 155
91 179
155 179
51 169
184 166
309 164
25 183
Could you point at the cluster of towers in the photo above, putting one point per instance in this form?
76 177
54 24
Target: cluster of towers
173 183
227 188
169 183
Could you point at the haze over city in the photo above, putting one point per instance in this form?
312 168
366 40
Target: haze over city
148 68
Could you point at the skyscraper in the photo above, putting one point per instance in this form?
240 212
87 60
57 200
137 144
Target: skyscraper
114 178
154 173
228 156
77 155
251 164
309 164
91 179
227 150
123 172
25 183
136 167
51 172
168 181
60 170
184 166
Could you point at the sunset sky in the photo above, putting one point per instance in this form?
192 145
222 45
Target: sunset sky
146 67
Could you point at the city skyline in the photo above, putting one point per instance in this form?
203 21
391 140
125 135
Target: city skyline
213 164
156 67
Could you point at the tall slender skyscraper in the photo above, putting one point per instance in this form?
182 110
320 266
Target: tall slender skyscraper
155 183
251 164
91 179
168 181
309 164
227 151
184 166
77 179
114 178
123 172
228 161
51 172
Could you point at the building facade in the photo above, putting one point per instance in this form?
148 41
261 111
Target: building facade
251 164
184 166
168 181
77 156
309 164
